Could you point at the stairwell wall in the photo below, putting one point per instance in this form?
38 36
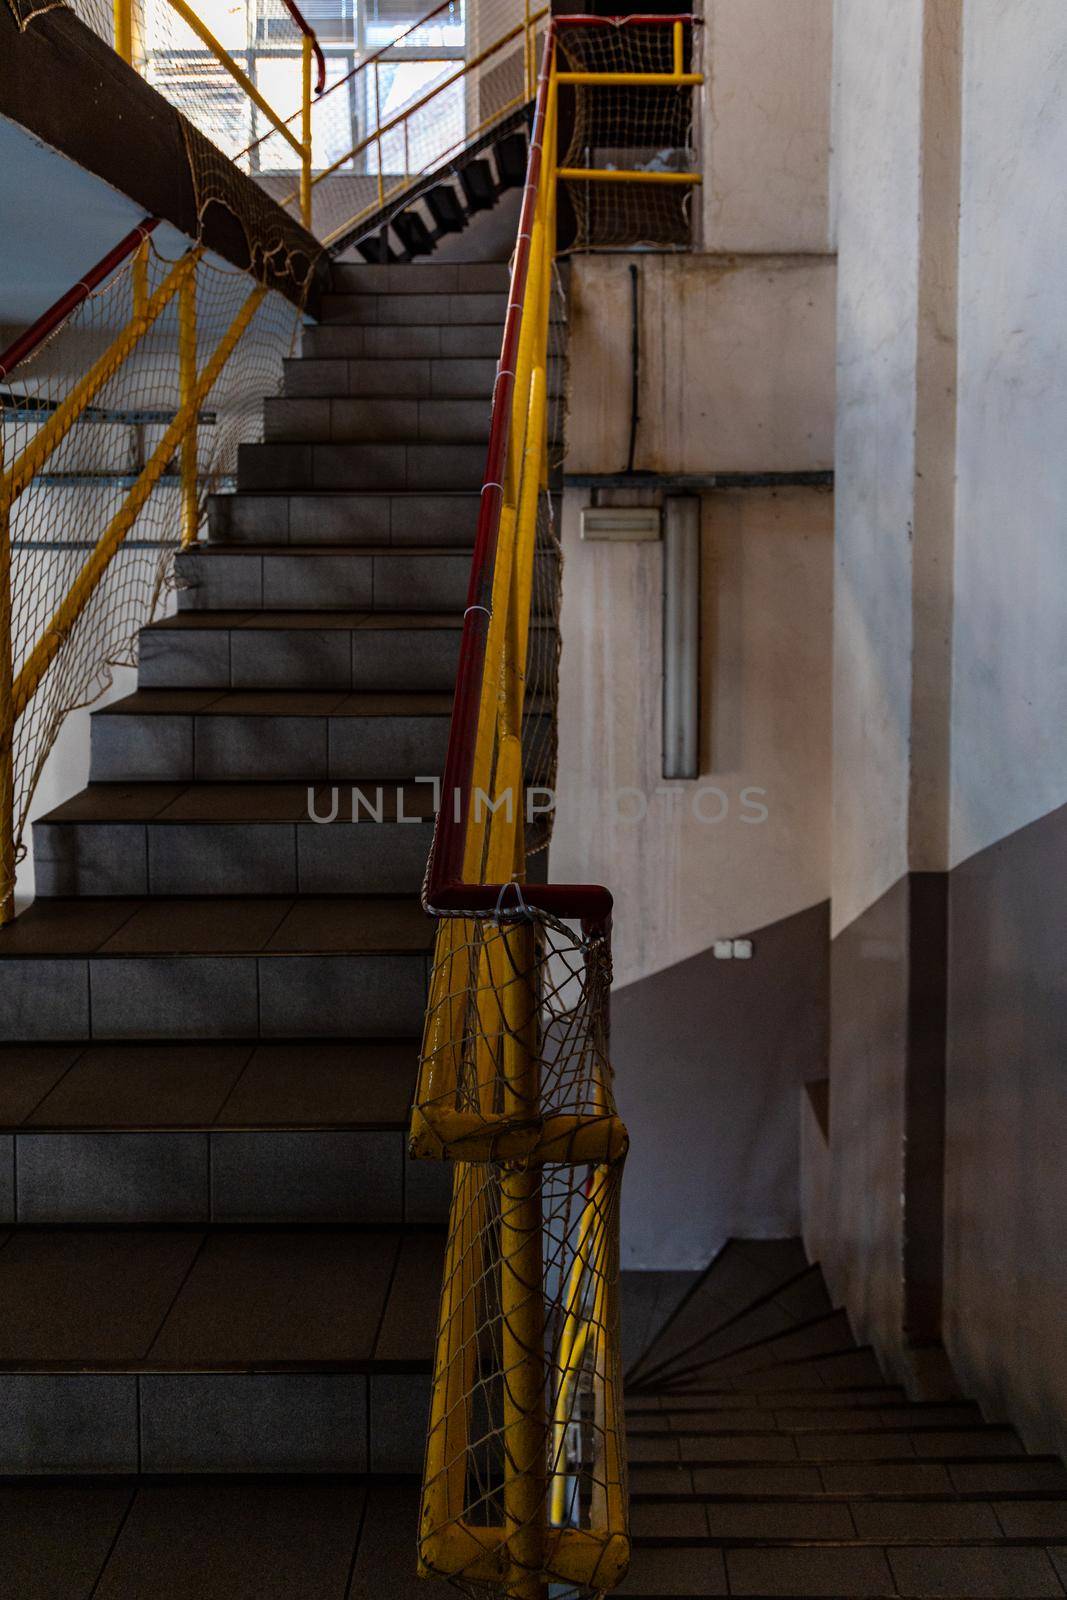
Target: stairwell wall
736 375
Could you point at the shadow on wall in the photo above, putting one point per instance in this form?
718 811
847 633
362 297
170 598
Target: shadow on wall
709 1058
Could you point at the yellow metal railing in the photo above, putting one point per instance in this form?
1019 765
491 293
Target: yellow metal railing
514 1086
129 46
44 635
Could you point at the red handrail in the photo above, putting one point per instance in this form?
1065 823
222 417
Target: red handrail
46 324
309 32
445 890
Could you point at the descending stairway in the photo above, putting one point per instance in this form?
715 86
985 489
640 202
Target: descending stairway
214 1254
769 1456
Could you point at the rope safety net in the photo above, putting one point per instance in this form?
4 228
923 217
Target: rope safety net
524 1483
93 495
629 127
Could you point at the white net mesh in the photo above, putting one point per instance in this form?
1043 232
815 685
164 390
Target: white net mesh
61 520
629 127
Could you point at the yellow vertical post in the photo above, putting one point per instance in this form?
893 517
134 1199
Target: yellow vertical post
521 1287
139 279
7 711
378 130
186 392
305 131
679 66
123 15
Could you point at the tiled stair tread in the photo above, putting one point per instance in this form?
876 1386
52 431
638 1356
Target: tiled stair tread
427 277
366 1084
816 1335
219 1299
276 925
240 803
742 1272
729 1399
313 552
282 1538
278 703
320 621
867 1419
800 1299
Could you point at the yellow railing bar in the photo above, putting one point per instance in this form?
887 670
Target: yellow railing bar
81 396
631 80
239 76
409 111
679 58
81 590
609 175
305 129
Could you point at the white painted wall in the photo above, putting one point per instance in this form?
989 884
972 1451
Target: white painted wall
877 171
1009 754
766 124
681 882
736 363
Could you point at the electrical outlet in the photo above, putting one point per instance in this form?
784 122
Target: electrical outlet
742 949
724 950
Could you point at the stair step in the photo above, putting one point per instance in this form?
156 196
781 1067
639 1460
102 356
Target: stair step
392 379
799 1299
362 651
370 580
796 1419
381 309
233 839
356 419
215 1133
217 1350
272 1538
839 1568
184 735
478 340
707 1399
742 1272
215 968
436 277
360 466
447 518
878 1444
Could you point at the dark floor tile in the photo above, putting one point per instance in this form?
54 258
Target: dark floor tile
757 1480
386 1557
179 997
675 1572
855 1446
410 1322
988 1442
208 927
1032 1519
669 1520
298 1422
54 1537
809 1572
364 996
239 802
65 927
27 1073
427 1190
983 1573
783 1521
68 1423
307 1176
329 1084
904 1477
924 1519
1005 1477
639 1448
354 925
399 1415
280 1296
236 1541
124 802
87 1295
669 1479
144 1085
112 1177
737 1447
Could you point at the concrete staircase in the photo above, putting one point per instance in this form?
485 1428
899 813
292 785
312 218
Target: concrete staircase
770 1456
215 1257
